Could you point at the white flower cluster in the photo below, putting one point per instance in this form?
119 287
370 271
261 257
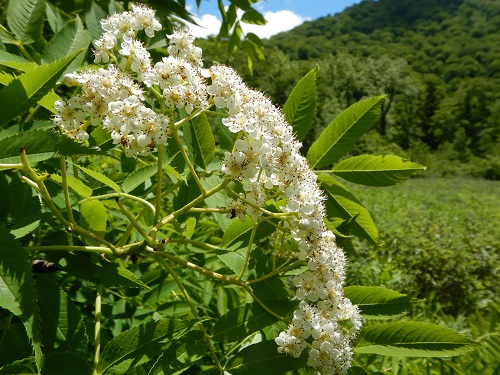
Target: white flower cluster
113 96
266 159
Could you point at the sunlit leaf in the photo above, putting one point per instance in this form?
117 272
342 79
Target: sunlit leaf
200 139
342 202
378 303
139 176
30 87
412 339
100 177
74 184
72 38
253 17
300 105
343 132
41 144
381 170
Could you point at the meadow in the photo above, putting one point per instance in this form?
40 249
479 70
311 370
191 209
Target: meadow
440 243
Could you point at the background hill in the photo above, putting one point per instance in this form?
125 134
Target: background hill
437 60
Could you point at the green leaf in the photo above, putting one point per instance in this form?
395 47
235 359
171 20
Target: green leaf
342 201
300 105
139 176
93 216
263 359
242 4
28 224
343 132
138 340
237 230
200 139
244 320
100 177
72 38
23 201
62 363
190 227
82 266
181 354
25 19
17 288
30 87
253 17
412 339
63 328
382 170
41 145
93 19
56 17
217 200
378 303
74 184
15 62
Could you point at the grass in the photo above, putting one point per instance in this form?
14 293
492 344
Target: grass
439 238
439 242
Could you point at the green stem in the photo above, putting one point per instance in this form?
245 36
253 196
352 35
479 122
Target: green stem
198 244
64 178
86 249
175 134
187 207
128 231
256 299
276 272
193 310
11 166
24 52
97 335
249 249
159 178
133 221
196 268
119 195
277 215
32 113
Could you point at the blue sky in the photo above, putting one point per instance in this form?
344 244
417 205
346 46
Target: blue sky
282 15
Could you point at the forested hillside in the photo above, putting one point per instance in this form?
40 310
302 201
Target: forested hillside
438 61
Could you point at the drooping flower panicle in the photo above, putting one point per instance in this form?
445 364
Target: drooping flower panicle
265 159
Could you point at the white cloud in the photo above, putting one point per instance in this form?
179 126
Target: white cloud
208 25
277 22
282 20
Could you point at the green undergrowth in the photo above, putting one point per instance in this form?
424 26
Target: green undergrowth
439 238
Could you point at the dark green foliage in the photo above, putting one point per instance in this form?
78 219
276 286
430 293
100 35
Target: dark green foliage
438 62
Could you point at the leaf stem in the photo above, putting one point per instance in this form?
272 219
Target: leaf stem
119 195
249 249
159 178
184 291
133 221
175 134
11 166
97 335
87 249
65 187
187 207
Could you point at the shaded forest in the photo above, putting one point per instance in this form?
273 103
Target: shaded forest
438 62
